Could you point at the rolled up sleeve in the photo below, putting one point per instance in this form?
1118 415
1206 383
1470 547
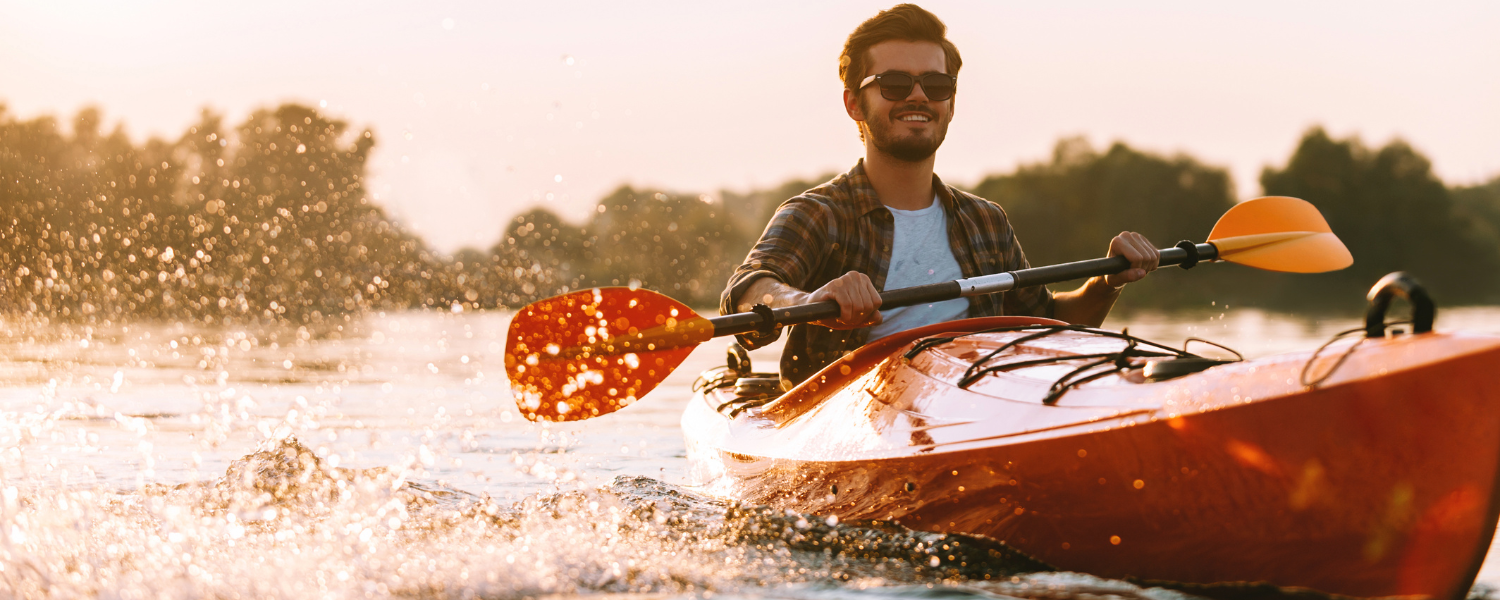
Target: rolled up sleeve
789 250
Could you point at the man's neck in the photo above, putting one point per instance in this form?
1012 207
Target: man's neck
900 184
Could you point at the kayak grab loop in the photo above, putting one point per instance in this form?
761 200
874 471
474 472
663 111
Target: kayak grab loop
1191 249
1178 363
1393 285
1398 284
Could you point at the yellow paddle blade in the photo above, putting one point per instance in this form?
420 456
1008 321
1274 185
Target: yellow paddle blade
593 352
1279 233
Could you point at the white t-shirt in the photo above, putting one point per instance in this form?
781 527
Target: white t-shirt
920 254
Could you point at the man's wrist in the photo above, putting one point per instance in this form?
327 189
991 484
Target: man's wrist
1102 286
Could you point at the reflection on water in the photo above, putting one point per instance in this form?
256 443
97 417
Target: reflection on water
384 457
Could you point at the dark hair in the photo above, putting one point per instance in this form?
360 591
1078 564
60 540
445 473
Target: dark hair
907 22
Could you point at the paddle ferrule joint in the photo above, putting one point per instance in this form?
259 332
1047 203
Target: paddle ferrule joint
1191 249
767 325
987 284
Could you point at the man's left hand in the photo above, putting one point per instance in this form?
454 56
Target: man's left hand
1142 254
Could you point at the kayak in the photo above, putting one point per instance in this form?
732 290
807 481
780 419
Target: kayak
1368 467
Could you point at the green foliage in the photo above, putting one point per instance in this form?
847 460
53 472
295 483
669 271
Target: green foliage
543 256
1479 206
682 245
269 222
1394 215
751 211
1069 208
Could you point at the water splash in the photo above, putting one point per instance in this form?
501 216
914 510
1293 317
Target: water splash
283 523
103 493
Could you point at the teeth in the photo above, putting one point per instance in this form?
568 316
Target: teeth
922 118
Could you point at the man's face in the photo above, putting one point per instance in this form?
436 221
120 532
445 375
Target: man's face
910 129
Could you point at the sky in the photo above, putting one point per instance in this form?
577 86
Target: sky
483 110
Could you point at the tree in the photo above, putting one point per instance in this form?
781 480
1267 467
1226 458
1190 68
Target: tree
538 256
268 223
1069 208
1392 213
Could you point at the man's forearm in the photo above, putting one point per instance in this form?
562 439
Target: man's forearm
1087 305
771 292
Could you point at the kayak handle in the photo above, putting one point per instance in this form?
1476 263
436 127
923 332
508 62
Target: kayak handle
1398 284
763 318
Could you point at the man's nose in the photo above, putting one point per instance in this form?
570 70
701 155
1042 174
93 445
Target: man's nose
918 93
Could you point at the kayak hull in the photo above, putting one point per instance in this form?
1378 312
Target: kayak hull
1369 485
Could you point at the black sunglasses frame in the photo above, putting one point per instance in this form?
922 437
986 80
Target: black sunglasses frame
896 90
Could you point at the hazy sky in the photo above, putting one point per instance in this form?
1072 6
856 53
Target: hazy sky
483 110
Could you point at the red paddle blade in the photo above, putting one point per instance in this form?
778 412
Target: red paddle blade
593 352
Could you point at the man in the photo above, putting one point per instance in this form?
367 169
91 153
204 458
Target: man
890 223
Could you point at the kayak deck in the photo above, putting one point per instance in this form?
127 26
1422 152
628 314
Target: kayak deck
1381 480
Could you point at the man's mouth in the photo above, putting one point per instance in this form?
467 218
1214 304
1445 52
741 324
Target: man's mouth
914 113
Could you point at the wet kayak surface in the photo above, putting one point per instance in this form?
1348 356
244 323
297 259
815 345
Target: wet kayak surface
384 456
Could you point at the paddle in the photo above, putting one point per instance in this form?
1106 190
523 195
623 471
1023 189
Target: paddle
592 352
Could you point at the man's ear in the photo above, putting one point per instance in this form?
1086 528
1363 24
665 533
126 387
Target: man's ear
851 105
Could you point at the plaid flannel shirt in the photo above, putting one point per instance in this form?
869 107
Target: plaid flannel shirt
842 226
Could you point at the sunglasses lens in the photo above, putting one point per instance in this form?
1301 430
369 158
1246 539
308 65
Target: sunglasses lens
896 86
937 86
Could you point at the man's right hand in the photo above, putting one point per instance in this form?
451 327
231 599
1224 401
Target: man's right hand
859 301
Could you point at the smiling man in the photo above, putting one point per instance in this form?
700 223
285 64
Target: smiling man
890 223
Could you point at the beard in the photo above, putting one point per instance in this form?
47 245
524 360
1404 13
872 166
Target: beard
908 148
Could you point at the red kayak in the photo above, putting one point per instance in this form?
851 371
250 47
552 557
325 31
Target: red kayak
1368 469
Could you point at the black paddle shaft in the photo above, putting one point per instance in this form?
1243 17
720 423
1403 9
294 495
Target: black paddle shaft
766 319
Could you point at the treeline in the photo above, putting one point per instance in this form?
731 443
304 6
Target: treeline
1384 203
269 221
684 245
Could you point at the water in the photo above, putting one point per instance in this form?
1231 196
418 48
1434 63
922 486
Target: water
383 457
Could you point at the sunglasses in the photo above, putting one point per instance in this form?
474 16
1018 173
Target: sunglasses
896 86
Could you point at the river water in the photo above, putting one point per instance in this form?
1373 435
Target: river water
384 457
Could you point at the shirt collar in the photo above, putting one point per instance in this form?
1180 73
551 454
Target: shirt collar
862 192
